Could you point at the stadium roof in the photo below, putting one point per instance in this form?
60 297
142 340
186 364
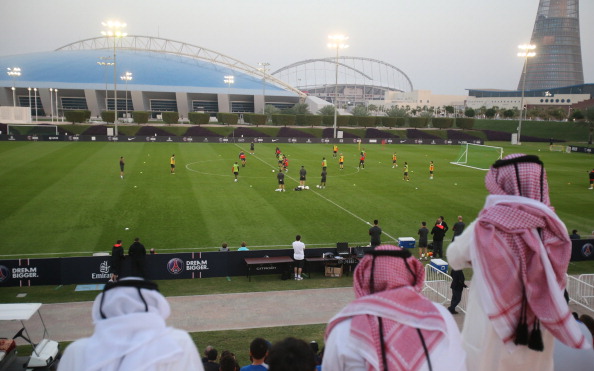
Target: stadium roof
161 69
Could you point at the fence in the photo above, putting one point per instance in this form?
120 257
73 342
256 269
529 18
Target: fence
581 290
437 287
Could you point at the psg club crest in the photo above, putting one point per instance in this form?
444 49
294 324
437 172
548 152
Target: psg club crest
3 273
175 266
587 250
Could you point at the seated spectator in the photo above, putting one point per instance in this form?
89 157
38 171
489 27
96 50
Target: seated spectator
519 252
228 362
206 350
224 247
391 325
258 353
243 247
131 333
291 354
574 235
211 361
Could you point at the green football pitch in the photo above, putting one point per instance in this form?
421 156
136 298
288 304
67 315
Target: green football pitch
67 199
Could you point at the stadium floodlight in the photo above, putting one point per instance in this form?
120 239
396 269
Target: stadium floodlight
126 77
337 42
52 103
527 52
114 29
14 73
56 102
264 69
229 79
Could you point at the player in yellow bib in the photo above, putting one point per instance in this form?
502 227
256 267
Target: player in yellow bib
405 174
236 170
341 161
394 160
172 162
334 150
431 168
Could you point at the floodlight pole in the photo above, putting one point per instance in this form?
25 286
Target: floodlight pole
525 54
14 73
338 42
114 30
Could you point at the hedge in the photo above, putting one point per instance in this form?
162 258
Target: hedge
141 117
465 123
283 120
198 118
388 122
255 118
108 116
366 121
170 117
77 115
227 118
400 121
442 122
418 122
309 120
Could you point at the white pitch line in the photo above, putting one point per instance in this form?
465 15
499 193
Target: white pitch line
327 199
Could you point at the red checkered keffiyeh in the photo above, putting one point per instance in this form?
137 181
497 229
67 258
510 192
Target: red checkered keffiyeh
522 251
397 300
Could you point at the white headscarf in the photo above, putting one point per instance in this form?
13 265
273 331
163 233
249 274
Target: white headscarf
130 337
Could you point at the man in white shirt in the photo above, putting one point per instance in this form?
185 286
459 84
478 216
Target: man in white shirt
298 256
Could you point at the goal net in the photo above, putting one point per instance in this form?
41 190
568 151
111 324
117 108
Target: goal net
478 156
556 148
32 129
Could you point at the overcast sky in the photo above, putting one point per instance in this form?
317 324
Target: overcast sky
445 46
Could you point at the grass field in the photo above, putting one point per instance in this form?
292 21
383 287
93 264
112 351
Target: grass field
65 199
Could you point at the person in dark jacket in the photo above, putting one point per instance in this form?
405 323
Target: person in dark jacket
137 254
457 286
458 227
438 232
117 257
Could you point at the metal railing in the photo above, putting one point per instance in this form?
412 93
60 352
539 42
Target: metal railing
581 290
437 287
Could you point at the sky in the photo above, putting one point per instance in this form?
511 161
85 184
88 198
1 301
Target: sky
446 46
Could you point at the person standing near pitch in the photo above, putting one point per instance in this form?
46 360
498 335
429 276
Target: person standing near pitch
281 181
298 256
302 177
324 164
375 232
341 161
122 163
405 173
242 158
252 150
235 169
334 150
591 176
323 181
431 169
394 160
172 163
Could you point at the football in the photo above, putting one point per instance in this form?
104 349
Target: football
273 170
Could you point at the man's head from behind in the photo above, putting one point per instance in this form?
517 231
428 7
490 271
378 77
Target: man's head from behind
212 354
519 175
258 348
291 354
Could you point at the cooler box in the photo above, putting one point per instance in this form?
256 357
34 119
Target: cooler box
406 242
440 265
333 271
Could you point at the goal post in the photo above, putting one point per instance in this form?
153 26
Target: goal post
22 129
556 148
478 156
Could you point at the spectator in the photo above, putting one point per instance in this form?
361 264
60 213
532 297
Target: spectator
206 350
519 252
243 247
438 232
152 251
458 284
258 353
291 354
131 333
315 348
224 247
458 227
137 254
298 256
391 325
589 322
574 235
423 232
211 360
375 232
117 257
228 363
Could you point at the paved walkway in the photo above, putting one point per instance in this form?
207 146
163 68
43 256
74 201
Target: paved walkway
71 321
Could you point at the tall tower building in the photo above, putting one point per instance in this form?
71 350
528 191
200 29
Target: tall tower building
556 34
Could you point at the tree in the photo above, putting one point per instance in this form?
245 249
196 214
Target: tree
360 110
469 112
372 108
449 110
327 110
490 113
590 117
270 110
577 115
397 112
297 109
508 113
